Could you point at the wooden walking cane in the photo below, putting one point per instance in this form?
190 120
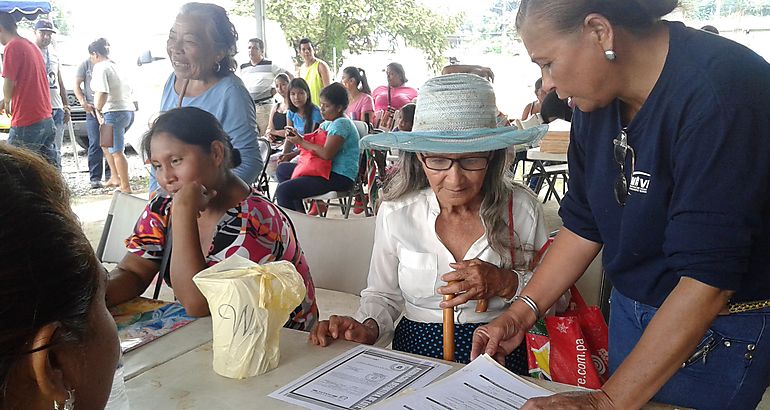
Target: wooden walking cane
449 325
449 329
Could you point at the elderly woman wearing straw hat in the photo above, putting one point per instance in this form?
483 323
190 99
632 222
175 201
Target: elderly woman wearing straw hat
445 218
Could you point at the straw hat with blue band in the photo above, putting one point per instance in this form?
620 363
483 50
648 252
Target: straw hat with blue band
455 114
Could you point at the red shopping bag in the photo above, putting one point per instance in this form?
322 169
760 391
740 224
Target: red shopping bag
310 164
572 347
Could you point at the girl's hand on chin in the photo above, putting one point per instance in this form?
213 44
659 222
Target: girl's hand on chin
193 198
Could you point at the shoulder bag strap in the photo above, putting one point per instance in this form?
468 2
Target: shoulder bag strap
181 95
164 270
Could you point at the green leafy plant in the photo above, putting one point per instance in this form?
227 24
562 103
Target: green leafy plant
356 26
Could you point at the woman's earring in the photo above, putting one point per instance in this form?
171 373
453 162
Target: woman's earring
69 404
610 55
217 68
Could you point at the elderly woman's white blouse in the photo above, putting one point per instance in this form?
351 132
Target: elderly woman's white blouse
408 260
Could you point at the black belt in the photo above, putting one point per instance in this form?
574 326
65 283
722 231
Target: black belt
263 100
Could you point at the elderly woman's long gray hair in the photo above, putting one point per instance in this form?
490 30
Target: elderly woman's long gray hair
496 189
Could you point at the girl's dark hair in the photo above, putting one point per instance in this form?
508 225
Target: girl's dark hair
99 46
283 77
539 83
567 15
407 112
307 110
220 29
399 70
336 94
192 126
359 75
41 281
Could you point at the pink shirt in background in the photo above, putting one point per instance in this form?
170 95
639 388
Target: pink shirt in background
356 109
399 96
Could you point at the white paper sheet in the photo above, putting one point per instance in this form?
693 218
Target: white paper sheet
363 376
481 385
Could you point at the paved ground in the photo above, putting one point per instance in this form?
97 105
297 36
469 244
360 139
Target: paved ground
75 172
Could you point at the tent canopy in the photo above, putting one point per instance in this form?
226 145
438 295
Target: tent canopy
25 9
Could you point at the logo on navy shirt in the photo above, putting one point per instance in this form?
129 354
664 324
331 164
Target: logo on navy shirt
640 182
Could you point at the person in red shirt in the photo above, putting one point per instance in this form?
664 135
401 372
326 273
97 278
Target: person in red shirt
25 93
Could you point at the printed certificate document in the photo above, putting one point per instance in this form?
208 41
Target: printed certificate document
363 376
481 385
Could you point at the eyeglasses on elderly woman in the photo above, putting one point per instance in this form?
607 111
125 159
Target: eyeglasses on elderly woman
436 163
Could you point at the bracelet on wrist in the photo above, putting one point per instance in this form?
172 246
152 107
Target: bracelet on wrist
530 303
519 286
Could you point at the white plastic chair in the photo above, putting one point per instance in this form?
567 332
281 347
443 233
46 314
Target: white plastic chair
338 251
124 211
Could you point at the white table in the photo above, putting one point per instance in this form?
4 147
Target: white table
198 333
168 347
188 381
534 154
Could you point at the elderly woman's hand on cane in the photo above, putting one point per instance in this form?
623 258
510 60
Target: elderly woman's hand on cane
477 280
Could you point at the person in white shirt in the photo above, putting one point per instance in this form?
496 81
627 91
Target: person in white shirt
444 218
258 75
114 106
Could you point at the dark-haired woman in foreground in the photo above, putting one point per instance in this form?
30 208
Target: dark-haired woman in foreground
58 342
213 214
670 176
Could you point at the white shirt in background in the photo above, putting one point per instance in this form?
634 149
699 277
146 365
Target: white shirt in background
107 78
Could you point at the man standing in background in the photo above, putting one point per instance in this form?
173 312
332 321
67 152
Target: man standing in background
258 76
85 96
313 70
44 30
26 96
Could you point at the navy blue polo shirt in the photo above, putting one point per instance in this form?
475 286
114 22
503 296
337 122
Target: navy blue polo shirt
698 203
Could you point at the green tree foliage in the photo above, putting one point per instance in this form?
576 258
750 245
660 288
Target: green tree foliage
497 30
708 9
356 26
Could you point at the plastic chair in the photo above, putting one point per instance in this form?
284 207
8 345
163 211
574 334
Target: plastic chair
124 211
338 251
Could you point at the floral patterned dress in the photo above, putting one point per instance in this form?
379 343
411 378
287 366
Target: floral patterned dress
255 229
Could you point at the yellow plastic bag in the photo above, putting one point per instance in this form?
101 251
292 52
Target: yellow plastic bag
249 304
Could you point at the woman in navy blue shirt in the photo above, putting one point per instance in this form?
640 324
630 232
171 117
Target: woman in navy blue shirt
669 177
